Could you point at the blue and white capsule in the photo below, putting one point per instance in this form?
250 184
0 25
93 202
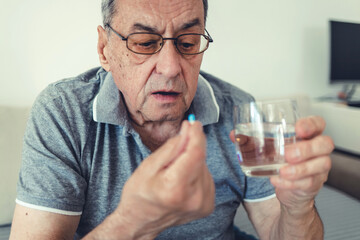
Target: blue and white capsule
191 118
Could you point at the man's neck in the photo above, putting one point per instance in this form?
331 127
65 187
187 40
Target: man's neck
155 134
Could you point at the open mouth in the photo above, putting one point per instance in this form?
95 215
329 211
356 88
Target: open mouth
166 93
166 96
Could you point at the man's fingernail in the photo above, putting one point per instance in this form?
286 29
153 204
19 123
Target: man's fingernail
307 127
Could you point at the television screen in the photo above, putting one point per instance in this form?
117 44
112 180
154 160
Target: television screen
344 52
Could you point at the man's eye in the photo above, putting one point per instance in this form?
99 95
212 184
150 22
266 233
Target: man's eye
148 44
189 43
186 45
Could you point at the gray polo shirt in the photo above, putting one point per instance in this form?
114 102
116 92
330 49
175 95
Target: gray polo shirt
80 149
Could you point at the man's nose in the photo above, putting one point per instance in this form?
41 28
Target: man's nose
169 58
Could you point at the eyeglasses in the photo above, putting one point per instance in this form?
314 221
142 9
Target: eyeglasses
151 43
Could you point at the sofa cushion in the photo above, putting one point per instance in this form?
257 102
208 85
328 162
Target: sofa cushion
12 127
345 173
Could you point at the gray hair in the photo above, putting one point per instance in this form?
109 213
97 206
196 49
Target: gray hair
108 10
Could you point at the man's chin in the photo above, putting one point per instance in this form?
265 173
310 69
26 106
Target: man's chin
163 116
166 117
164 112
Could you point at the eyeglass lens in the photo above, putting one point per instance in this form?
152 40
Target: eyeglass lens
148 43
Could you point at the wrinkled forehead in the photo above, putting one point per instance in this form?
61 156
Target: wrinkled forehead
159 14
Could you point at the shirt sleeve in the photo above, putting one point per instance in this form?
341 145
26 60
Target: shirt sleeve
50 177
258 189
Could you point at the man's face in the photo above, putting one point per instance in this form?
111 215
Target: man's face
158 87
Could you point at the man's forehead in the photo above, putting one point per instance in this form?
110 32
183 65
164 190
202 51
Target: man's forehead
160 4
184 13
153 28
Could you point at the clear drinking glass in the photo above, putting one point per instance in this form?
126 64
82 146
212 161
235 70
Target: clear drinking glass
263 129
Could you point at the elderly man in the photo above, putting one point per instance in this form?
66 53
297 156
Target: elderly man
108 154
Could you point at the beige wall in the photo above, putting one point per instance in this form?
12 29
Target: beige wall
275 47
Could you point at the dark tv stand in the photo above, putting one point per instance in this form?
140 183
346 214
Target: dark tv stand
353 103
348 96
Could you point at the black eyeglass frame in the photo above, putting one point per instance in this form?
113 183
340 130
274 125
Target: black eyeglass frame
207 37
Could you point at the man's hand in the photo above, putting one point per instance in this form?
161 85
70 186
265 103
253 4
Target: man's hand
308 166
292 214
308 163
171 187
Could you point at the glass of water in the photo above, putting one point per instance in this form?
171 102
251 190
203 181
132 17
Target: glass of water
263 130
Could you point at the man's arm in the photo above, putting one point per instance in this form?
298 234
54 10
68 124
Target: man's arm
272 222
172 186
29 223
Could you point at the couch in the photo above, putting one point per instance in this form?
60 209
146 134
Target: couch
12 126
338 202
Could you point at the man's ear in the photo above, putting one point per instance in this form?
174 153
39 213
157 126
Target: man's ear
102 48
